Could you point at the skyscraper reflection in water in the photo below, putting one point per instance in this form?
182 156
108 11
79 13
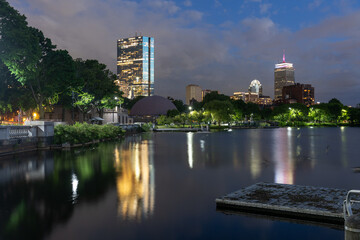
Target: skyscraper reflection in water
283 157
135 181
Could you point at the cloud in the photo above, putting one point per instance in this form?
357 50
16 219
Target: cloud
315 4
193 15
264 8
188 50
187 3
168 6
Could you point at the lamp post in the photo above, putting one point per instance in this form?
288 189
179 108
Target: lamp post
289 113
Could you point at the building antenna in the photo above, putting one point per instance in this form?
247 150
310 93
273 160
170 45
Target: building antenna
283 55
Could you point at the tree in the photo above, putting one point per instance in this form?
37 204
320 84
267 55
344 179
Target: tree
162 120
84 103
180 106
13 95
31 58
181 119
334 108
215 96
237 116
253 110
354 115
220 110
55 75
20 49
97 81
172 113
335 101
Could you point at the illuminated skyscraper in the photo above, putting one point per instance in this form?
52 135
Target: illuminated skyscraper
284 76
255 87
135 66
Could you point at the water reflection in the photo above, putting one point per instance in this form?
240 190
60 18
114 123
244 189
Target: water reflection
283 156
343 146
255 157
74 183
135 180
190 146
34 168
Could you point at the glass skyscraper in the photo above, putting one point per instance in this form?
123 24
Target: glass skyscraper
284 75
135 66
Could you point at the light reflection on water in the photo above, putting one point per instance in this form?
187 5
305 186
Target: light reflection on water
283 157
135 180
190 147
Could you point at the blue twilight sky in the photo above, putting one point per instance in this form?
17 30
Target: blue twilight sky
218 44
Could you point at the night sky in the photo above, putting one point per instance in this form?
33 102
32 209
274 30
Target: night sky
218 44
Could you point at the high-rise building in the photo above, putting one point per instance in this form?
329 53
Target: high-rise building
284 75
135 66
255 87
299 93
193 92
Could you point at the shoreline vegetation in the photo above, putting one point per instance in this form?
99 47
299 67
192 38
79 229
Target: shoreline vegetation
82 133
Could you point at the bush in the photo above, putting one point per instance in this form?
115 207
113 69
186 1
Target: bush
83 133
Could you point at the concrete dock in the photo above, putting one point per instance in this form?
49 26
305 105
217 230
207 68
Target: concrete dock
290 201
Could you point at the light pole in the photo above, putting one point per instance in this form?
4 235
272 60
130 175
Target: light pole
289 113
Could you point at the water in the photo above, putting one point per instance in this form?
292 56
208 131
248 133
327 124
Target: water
164 185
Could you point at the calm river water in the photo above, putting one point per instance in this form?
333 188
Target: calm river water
164 185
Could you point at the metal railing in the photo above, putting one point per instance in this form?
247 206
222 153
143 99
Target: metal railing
349 201
20 132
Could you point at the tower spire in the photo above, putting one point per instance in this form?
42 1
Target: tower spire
283 55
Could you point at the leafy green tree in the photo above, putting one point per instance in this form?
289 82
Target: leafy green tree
335 101
354 116
163 120
98 81
13 95
220 110
266 113
172 113
181 119
84 103
298 112
253 110
55 75
334 111
180 106
215 96
20 49
344 117
237 116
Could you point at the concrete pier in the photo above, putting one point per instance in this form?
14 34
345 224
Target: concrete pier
291 201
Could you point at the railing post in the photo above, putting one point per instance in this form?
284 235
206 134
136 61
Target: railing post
4 132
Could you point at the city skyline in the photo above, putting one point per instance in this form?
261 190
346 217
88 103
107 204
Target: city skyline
217 44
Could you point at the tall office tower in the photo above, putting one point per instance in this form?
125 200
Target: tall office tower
193 92
255 87
135 66
284 76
